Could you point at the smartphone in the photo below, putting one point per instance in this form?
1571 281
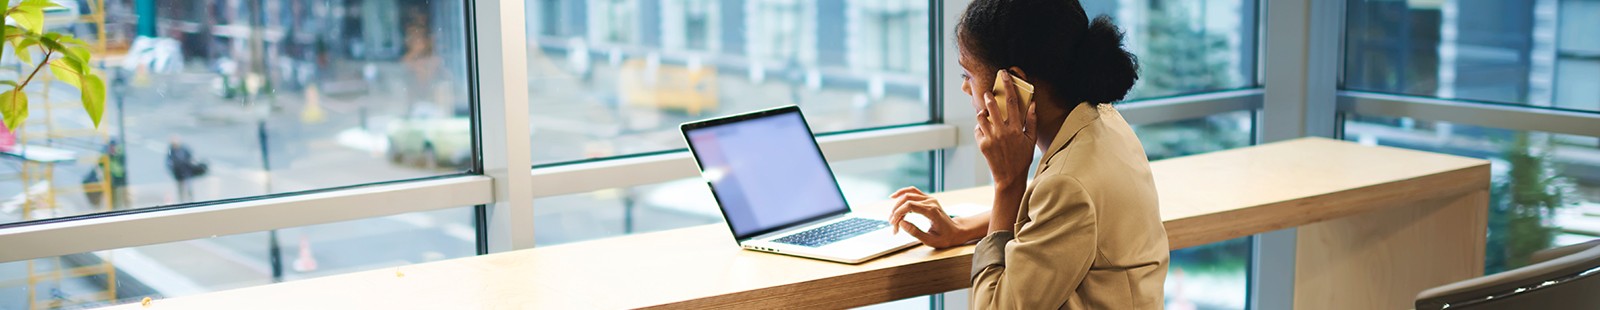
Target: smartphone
1024 89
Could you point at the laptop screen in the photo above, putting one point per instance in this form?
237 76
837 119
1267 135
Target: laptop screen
765 171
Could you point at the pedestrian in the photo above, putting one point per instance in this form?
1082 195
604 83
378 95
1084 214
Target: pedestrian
115 159
181 162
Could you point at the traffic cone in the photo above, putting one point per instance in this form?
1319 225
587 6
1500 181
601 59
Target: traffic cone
306 262
312 112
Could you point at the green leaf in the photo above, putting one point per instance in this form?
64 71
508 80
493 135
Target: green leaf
78 64
51 43
22 49
36 4
11 83
81 53
72 61
15 34
29 17
65 72
94 97
14 106
5 5
72 41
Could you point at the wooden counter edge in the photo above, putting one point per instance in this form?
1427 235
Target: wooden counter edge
1205 229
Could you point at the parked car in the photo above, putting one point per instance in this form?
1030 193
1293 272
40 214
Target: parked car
692 90
432 141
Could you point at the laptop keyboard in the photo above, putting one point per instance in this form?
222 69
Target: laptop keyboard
831 233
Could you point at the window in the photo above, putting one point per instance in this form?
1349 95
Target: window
1545 188
337 94
618 80
1186 46
1531 53
688 202
280 97
1212 276
1535 53
1194 136
193 267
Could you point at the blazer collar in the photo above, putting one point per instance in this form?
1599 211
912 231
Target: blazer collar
1081 116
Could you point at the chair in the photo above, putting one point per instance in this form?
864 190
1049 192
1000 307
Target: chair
1564 278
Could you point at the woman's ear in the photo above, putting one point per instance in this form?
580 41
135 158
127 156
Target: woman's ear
1017 72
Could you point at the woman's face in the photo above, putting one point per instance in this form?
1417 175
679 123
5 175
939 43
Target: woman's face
974 84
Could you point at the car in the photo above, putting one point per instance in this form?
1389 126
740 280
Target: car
430 141
690 89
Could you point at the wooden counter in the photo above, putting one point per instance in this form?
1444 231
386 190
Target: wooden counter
1377 225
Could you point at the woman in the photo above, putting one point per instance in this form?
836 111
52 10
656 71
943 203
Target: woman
1086 233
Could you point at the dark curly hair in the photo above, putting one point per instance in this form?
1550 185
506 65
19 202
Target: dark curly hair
1052 41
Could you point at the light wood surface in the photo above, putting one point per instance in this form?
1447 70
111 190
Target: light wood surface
1204 198
1382 259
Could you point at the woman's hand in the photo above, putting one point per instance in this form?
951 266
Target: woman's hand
1007 141
943 232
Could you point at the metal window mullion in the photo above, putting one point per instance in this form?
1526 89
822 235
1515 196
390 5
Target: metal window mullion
121 231
1162 110
643 170
499 54
1475 113
1301 53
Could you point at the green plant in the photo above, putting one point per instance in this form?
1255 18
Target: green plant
1183 57
1528 196
67 57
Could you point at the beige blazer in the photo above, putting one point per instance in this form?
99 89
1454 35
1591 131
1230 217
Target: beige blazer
1088 234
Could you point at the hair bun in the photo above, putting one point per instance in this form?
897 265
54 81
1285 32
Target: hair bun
1104 71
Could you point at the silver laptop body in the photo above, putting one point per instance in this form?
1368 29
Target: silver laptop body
778 193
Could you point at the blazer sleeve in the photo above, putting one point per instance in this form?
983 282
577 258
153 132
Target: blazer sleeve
1049 257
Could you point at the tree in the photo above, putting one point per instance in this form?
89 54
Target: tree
1182 57
1526 197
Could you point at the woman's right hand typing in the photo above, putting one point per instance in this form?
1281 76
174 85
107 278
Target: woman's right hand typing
942 231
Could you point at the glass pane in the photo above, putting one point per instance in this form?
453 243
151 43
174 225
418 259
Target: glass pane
193 267
616 77
1212 276
1200 135
1504 51
687 202
325 94
1186 46
1545 189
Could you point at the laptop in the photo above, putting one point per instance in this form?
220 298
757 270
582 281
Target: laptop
777 192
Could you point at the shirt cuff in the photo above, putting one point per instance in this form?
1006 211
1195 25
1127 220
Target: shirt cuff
991 251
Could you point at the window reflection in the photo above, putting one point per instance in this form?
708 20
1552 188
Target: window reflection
214 100
616 77
1545 188
1537 53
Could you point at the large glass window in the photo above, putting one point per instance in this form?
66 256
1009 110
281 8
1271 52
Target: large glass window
1186 46
1545 190
214 100
1212 276
1537 53
615 77
1200 135
127 275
